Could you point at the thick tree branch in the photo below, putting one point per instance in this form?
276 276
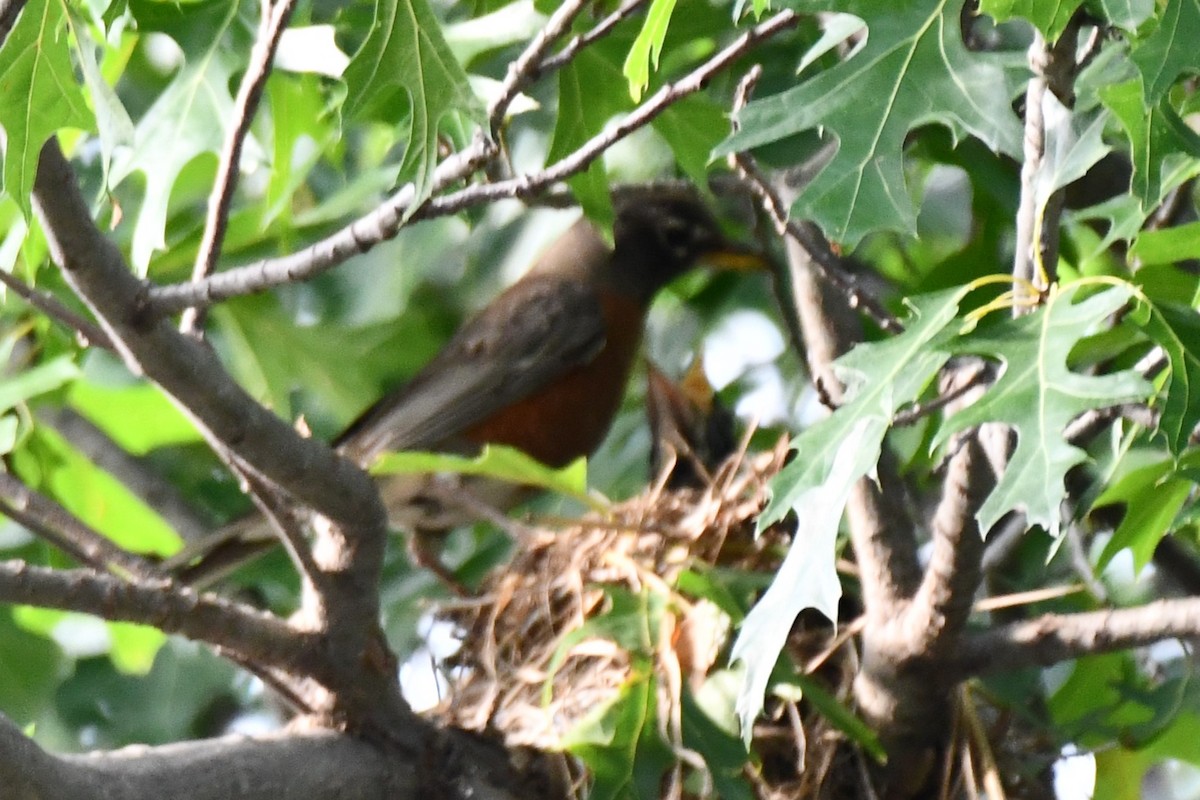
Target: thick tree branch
67 532
275 16
1057 637
386 220
313 765
352 535
188 371
941 606
254 635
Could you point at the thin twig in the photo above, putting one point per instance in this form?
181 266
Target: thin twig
807 234
91 333
978 375
275 18
602 29
385 221
526 67
68 533
1034 263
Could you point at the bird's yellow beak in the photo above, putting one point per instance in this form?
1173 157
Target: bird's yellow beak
735 257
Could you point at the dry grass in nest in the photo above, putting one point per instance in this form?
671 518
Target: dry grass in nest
525 673
512 677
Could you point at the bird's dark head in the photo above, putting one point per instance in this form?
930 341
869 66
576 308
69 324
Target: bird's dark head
660 236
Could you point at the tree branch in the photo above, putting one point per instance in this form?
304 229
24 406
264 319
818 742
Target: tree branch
361 681
68 533
941 606
91 333
386 220
276 14
188 371
525 68
254 635
316 765
1057 637
1036 258
601 29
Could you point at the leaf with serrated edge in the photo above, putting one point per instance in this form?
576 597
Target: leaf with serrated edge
912 71
1156 137
880 378
1037 394
407 54
1048 17
1169 50
1176 329
647 47
38 94
807 578
189 117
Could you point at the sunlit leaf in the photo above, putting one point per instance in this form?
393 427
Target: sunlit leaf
38 94
1038 394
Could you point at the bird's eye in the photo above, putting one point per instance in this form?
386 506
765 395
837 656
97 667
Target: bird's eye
679 237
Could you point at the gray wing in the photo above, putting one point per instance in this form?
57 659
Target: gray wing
503 354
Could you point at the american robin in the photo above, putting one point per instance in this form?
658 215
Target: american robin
541 368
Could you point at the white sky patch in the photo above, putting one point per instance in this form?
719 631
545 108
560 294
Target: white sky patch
311 49
1075 775
742 340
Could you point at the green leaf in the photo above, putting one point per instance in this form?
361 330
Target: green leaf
1177 330
1126 14
134 647
620 742
43 378
840 717
1169 50
647 47
159 421
496 461
406 63
1048 17
912 71
191 114
301 131
112 120
1037 394
96 497
1167 245
692 128
1156 136
589 95
38 94
724 754
1152 495
30 668
832 455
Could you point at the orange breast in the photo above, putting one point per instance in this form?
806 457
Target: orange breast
571 416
